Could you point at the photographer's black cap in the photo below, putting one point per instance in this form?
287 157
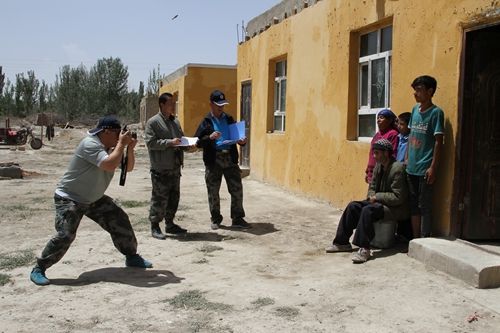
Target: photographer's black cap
106 122
218 98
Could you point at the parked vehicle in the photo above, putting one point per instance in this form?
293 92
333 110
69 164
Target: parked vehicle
19 137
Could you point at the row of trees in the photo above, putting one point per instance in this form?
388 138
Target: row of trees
77 94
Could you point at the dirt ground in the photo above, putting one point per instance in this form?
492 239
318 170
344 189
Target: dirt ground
273 278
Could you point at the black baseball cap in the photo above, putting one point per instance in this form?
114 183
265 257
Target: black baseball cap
106 122
218 98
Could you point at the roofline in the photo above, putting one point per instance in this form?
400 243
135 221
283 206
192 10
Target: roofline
276 14
182 71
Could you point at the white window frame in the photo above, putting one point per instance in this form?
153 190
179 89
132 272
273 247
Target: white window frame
368 60
279 109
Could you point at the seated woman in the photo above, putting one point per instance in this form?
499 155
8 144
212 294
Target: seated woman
387 198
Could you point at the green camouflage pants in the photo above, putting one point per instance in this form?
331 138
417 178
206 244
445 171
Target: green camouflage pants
213 177
68 216
164 196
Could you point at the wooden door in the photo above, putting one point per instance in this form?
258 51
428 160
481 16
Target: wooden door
481 135
246 115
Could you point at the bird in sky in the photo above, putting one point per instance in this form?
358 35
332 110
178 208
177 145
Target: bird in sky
173 18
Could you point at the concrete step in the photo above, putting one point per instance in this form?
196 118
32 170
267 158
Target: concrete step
476 265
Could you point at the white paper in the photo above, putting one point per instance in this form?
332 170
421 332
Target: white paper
187 141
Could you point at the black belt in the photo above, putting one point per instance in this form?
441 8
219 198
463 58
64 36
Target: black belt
223 151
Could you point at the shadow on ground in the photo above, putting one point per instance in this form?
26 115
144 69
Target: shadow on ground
399 247
257 229
136 277
198 237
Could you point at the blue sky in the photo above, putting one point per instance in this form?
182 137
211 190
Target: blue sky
45 35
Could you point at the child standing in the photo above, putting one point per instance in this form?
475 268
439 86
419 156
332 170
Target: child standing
404 132
424 152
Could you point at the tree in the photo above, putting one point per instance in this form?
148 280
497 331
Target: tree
2 81
132 103
141 91
108 86
43 93
69 91
30 92
18 99
153 83
7 105
26 93
51 99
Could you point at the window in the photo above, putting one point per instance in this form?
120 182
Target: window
374 78
279 96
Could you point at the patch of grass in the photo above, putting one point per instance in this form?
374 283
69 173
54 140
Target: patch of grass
15 207
263 301
200 261
4 279
140 224
195 300
286 312
200 325
208 248
37 200
142 220
23 211
26 214
133 203
205 324
12 260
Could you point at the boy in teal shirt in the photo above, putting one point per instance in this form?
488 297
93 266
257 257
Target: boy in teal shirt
423 155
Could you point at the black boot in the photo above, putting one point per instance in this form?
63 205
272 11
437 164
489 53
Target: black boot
156 232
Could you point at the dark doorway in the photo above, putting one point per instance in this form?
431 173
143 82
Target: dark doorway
246 115
478 157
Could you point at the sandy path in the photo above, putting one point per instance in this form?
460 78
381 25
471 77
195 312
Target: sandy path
273 278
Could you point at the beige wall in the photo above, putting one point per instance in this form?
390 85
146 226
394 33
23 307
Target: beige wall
318 154
194 91
148 108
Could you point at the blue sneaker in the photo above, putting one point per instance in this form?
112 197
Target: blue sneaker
137 261
38 277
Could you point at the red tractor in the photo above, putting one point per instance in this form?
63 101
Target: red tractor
18 137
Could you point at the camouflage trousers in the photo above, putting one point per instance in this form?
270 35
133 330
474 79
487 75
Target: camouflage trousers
224 166
164 196
104 212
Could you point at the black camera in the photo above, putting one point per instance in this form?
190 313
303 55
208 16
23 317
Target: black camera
133 134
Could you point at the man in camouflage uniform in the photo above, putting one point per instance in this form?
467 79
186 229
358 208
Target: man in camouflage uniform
81 192
163 135
221 159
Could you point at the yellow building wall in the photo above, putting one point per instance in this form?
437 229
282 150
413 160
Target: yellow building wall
194 90
318 154
200 82
176 87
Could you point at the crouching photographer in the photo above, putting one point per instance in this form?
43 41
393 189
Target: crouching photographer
81 192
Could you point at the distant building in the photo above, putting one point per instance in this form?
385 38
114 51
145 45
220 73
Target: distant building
191 86
148 108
